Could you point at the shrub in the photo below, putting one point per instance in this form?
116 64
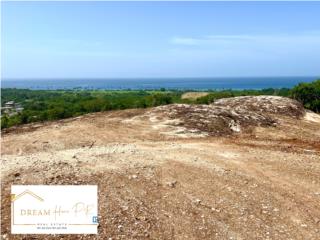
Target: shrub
308 94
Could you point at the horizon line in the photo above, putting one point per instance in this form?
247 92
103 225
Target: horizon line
166 77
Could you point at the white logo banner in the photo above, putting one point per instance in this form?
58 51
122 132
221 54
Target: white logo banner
54 209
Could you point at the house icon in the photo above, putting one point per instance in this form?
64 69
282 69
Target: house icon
15 197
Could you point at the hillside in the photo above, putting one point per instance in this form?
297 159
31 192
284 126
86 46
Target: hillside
240 168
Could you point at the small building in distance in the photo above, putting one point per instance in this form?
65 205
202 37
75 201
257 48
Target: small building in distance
11 108
10 104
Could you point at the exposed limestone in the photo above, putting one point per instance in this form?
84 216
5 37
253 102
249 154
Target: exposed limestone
229 115
264 104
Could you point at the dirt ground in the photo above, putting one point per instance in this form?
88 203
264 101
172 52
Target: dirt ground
157 180
194 95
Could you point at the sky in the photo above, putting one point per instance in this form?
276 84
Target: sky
159 39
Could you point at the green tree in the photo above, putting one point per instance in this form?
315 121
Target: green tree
4 121
308 94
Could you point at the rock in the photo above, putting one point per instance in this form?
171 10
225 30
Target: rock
17 174
172 184
234 126
229 115
134 176
125 208
264 104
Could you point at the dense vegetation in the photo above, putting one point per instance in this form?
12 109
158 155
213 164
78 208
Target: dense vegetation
43 105
308 94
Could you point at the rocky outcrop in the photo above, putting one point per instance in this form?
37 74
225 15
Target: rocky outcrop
229 115
264 104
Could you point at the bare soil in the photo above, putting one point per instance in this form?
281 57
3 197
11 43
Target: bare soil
194 95
162 177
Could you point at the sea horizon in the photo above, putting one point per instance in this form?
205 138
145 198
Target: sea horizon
150 83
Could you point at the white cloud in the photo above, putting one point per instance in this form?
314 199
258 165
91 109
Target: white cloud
185 41
299 38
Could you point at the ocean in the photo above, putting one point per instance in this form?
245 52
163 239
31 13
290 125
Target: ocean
214 83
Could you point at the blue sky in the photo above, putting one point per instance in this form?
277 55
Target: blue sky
159 39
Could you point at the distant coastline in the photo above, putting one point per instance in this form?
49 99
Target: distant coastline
200 83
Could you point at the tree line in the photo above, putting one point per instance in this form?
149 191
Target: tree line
44 105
